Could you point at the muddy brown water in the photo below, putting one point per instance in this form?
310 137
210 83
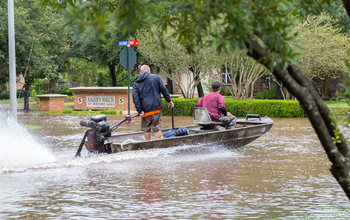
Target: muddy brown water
282 175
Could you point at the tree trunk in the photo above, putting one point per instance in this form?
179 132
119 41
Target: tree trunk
111 66
26 96
200 90
325 86
279 94
170 86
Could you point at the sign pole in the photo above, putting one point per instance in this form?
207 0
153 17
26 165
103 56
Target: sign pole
128 60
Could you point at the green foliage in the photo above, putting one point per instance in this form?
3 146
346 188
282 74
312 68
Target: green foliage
40 43
6 94
240 108
122 78
224 91
182 107
323 49
67 111
33 95
85 72
108 112
267 95
334 8
271 108
63 91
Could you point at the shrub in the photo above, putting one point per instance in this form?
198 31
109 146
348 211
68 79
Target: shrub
6 94
63 91
240 108
267 95
182 107
107 112
224 91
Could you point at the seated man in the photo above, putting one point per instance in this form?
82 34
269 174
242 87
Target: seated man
215 105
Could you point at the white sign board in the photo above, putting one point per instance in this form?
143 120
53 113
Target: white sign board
80 100
100 101
121 100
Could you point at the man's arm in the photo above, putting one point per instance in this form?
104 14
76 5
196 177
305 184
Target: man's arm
136 99
163 90
223 111
200 102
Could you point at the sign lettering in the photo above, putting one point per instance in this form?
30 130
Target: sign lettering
100 101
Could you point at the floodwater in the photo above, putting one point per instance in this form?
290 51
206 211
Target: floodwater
282 175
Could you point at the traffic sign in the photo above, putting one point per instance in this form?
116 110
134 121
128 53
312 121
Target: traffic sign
128 42
128 58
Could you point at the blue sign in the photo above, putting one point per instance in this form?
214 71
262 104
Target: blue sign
129 42
123 43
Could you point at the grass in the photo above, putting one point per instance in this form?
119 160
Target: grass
20 100
337 104
69 103
31 127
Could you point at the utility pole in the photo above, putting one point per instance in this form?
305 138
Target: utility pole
12 59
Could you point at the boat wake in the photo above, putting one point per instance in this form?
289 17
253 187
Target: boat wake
19 149
66 158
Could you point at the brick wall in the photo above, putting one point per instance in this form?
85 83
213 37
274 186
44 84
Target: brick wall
51 104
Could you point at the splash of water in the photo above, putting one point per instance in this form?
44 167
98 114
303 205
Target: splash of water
19 149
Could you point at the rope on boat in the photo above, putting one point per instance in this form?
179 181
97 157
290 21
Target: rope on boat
126 141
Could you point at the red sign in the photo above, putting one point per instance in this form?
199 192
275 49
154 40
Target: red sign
133 42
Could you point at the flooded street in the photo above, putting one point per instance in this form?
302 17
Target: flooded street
282 175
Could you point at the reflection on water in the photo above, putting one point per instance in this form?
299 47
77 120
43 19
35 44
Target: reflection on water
283 174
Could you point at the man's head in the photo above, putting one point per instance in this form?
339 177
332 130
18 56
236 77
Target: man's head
145 68
215 86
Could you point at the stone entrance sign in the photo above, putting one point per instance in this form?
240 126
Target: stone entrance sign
102 98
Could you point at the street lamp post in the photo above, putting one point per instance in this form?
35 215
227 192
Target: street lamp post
12 59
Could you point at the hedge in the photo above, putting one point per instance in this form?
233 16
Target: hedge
240 108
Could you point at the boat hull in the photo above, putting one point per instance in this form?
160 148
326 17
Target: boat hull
242 134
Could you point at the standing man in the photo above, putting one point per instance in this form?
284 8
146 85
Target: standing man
148 103
215 105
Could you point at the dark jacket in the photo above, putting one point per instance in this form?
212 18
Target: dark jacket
146 92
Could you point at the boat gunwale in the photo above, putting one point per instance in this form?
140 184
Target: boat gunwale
254 124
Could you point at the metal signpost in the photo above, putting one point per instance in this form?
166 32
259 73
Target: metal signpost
128 60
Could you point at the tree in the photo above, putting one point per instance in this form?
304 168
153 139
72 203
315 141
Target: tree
185 70
90 47
264 28
323 50
240 70
39 43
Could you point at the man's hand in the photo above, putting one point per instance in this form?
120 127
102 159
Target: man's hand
229 114
142 113
170 104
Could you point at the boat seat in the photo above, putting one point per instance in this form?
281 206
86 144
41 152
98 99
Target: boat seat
202 118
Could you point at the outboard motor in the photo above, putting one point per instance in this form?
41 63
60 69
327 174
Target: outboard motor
98 134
